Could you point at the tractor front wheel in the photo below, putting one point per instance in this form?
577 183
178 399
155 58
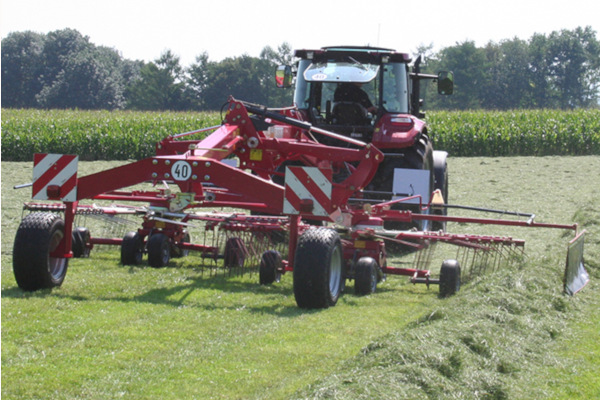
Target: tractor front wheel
318 269
38 236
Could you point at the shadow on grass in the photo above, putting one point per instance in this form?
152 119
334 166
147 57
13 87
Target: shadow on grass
271 296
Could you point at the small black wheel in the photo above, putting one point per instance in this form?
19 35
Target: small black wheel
235 252
81 237
176 251
38 235
365 276
318 269
270 267
449 278
132 249
159 250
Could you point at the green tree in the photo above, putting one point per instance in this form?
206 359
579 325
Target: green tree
574 66
22 55
160 86
271 59
239 77
87 80
61 70
197 80
471 69
508 77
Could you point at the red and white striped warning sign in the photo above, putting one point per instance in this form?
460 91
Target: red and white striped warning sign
307 191
55 177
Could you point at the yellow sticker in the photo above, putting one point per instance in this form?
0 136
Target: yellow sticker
256 155
360 244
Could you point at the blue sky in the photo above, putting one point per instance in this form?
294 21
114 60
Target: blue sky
143 29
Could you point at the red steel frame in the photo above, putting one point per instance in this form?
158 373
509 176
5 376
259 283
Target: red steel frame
255 191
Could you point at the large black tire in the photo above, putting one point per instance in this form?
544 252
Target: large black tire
449 278
80 239
38 235
365 276
132 249
159 250
270 267
318 269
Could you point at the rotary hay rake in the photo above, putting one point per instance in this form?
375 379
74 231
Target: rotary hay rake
309 213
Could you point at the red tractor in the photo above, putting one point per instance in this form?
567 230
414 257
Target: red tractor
370 94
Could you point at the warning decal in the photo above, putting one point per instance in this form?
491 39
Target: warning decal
307 191
57 172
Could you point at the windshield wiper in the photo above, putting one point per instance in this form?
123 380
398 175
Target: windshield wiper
355 61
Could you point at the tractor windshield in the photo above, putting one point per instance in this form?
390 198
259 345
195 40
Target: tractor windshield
352 71
385 85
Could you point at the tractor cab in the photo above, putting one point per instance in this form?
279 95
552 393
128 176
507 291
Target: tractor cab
354 90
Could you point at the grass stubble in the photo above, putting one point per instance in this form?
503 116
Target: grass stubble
112 331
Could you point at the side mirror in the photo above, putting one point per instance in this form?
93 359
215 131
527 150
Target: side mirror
445 82
283 76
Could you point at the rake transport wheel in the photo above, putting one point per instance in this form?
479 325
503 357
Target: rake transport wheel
270 267
178 252
235 253
365 276
132 249
449 278
318 269
38 235
81 236
159 250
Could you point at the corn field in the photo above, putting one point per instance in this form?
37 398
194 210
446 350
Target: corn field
516 133
121 135
93 135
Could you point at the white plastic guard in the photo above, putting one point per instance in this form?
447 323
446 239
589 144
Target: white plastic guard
411 182
307 191
57 172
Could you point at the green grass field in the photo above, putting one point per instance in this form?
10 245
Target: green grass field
138 333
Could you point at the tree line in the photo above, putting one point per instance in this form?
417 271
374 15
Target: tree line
63 69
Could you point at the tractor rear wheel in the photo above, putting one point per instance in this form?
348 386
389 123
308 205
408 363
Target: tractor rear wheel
449 278
318 269
159 250
132 249
38 235
365 276
270 267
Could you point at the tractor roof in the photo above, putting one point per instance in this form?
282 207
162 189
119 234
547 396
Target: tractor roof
363 54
